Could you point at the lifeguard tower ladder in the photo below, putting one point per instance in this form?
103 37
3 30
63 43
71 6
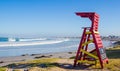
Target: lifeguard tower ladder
90 35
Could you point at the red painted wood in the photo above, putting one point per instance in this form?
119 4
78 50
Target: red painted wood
80 46
86 37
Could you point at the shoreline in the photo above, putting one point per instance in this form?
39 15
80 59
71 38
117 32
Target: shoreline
14 59
25 57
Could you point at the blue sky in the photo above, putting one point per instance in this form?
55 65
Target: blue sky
36 18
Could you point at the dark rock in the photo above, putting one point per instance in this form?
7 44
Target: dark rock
40 56
1 62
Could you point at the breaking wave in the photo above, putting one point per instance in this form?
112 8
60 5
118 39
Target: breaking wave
25 43
35 39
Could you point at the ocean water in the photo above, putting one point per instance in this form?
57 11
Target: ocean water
40 46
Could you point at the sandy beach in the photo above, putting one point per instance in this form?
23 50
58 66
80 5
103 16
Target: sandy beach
25 57
59 61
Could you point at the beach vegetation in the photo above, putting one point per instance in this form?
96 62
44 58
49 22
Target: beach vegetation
42 60
46 69
3 68
17 70
113 65
114 52
43 63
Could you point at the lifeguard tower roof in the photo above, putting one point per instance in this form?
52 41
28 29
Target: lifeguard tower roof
89 15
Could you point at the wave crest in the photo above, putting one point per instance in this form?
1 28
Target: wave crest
4 44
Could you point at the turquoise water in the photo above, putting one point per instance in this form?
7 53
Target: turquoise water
45 47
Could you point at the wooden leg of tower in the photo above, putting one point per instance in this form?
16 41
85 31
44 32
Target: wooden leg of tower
101 63
107 62
99 56
75 62
96 38
78 54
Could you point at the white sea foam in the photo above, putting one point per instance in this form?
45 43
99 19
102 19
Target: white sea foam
11 39
35 39
5 44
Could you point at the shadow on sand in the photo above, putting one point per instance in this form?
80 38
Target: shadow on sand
46 65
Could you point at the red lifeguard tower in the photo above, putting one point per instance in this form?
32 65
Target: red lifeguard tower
90 35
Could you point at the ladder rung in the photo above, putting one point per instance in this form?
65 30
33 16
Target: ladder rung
90 54
96 32
88 32
90 41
